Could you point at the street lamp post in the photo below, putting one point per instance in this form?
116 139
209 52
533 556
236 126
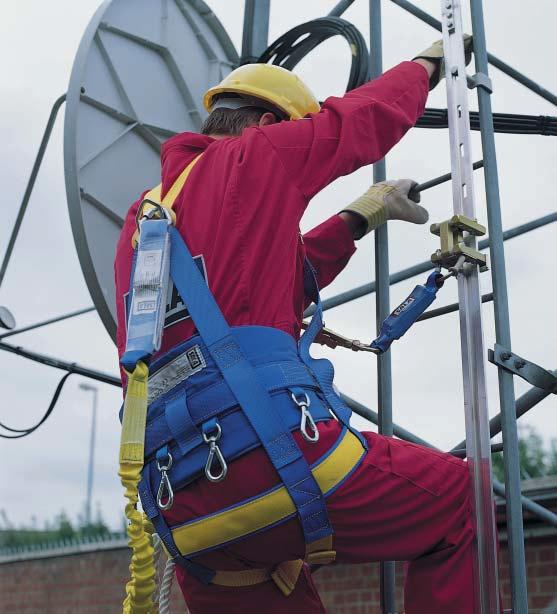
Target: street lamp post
93 389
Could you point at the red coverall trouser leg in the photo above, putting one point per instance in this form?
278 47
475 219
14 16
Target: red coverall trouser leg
405 503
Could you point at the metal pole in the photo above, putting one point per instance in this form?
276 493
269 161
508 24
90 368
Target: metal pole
471 332
256 29
441 311
72 367
422 267
494 61
426 185
523 404
66 316
339 9
519 594
90 468
382 305
30 184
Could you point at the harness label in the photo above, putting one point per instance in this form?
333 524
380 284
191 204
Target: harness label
176 371
176 310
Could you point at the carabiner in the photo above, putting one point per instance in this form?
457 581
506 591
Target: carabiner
306 418
215 453
165 488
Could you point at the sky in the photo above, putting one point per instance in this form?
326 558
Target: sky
46 471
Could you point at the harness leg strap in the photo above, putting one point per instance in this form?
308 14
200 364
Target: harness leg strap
286 574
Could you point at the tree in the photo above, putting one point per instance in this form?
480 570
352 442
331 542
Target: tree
65 528
535 461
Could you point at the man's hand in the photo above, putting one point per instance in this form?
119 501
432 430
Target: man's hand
388 200
434 62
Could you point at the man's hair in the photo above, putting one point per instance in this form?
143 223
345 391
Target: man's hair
232 121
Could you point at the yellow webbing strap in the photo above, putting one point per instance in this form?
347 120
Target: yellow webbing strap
140 588
269 508
286 574
154 196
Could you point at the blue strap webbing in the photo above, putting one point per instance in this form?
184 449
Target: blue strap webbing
322 369
254 400
176 424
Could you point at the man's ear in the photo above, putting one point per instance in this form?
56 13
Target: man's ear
267 119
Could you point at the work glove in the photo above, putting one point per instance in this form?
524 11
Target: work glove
435 54
388 200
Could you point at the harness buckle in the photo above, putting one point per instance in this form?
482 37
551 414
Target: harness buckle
214 452
165 488
307 418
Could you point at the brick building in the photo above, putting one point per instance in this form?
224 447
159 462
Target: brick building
90 577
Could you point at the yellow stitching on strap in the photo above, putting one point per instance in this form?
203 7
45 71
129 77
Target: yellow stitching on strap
268 509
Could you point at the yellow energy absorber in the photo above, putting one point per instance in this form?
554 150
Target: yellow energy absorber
140 588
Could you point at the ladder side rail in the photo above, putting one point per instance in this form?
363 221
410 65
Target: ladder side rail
471 333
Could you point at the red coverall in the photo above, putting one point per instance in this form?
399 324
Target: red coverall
240 210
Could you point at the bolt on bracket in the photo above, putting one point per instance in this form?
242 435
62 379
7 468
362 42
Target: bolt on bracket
529 371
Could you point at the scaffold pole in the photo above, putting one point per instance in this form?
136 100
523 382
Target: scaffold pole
519 593
470 313
382 304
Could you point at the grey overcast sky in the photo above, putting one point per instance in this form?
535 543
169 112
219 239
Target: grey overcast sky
46 472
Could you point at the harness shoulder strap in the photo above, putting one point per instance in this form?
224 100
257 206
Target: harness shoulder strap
153 199
170 197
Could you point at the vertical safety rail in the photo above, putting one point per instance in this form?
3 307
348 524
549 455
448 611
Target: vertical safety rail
382 305
511 460
471 333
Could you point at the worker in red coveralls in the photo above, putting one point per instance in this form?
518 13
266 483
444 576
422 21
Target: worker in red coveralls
239 213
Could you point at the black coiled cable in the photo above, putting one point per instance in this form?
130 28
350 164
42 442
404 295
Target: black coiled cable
289 49
293 46
509 123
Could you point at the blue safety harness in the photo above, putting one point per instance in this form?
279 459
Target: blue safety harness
224 392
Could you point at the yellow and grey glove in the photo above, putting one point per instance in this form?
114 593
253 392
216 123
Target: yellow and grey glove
435 54
388 200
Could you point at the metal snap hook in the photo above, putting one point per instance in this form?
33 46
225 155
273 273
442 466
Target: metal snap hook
215 455
306 419
165 488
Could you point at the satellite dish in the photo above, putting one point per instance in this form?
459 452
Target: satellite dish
138 78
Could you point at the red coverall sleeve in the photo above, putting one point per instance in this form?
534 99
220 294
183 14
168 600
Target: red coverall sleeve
329 247
352 131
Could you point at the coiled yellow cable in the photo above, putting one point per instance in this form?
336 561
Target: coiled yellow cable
140 588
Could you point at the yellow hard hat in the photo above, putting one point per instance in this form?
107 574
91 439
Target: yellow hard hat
274 84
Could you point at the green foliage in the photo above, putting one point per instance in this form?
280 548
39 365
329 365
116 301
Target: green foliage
59 530
535 460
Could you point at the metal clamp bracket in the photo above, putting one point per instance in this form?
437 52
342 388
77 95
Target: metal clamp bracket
480 79
453 242
529 371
